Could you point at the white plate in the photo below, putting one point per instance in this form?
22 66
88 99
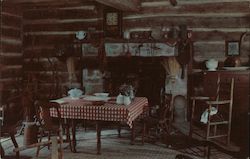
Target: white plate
59 101
101 94
236 68
95 98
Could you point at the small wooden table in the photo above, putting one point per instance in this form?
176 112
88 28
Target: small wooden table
109 111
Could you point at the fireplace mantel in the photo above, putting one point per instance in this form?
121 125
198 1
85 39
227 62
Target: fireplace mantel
141 49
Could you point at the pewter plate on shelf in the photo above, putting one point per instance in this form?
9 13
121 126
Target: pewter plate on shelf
236 68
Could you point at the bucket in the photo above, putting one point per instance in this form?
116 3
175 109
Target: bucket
30 133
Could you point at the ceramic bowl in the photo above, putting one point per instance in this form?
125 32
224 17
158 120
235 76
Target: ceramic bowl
211 64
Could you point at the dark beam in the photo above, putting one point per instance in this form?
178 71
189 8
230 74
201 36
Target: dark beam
45 2
32 1
124 5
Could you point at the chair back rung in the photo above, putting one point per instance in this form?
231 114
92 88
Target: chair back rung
219 123
216 136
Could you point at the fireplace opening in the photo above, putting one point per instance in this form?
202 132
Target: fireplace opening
145 74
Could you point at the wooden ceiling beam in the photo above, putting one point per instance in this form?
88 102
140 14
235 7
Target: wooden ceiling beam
220 8
124 5
183 2
34 1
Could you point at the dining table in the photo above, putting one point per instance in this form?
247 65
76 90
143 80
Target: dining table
100 111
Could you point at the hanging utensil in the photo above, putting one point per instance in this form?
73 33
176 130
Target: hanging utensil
183 49
183 56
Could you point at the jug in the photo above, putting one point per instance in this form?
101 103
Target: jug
119 99
126 100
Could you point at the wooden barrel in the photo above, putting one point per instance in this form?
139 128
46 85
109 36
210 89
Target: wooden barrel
30 133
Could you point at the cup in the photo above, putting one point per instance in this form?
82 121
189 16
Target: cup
126 34
81 35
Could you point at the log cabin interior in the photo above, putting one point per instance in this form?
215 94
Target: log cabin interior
172 76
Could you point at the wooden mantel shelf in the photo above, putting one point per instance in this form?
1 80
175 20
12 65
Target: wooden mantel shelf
170 42
135 47
147 49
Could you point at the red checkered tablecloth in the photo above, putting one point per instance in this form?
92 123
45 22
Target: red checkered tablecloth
110 111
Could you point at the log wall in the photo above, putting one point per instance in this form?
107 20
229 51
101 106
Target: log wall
11 54
211 24
46 27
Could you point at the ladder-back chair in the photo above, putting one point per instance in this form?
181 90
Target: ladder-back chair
48 125
217 117
7 129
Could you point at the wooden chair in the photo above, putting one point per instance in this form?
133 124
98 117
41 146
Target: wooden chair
162 120
7 130
218 125
48 125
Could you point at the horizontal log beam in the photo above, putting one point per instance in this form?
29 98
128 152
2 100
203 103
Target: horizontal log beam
42 66
34 1
49 39
60 14
204 51
223 7
11 48
9 40
11 73
182 2
57 33
39 51
16 28
185 2
191 28
7 80
6 67
186 15
59 6
56 21
9 32
8 8
215 35
12 60
7 20
11 54
221 29
124 5
53 38
50 84
208 23
11 14
74 26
